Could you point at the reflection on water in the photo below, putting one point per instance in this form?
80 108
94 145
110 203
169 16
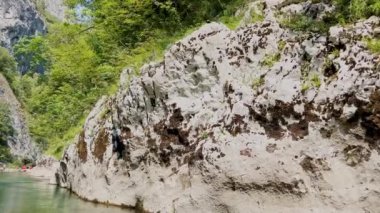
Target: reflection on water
22 194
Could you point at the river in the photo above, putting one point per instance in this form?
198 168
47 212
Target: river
22 194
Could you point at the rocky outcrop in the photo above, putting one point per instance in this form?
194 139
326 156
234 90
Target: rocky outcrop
20 143
54 8
260 119
44 169
18 18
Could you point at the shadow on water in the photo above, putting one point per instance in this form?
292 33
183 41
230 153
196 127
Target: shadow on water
22 194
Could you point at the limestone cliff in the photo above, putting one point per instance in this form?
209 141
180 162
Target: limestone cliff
20 143
54 8
18 18
260 119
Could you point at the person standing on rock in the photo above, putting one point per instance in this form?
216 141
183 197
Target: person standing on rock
117 145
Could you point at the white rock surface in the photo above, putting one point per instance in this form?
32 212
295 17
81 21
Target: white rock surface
55 8
214 127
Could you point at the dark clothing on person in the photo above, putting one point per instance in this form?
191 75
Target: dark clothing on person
117 144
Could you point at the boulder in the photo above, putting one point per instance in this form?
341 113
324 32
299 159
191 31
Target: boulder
225 123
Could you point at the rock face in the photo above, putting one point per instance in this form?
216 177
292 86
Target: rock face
18 18
254 120
21 143
55 8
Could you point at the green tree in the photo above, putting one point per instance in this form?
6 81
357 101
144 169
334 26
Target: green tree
33 53
6 130
7 63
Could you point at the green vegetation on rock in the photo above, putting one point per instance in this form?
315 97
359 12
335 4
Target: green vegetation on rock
270 60
7 63
257 82
258 14
346 11
373 45
6 131
34 51
352 10
304 23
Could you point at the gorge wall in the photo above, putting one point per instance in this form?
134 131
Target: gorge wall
18 18
54 8
260 119
20 143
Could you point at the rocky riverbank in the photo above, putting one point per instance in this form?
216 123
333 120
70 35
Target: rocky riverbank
45 170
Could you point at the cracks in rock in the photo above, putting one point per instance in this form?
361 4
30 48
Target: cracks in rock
314 166
296 187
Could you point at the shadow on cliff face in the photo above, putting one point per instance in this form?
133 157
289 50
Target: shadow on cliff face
371 121
367 116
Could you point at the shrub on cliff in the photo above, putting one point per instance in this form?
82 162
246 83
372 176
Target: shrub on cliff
127 23
346 11
34 52
353 10
6 131
7 63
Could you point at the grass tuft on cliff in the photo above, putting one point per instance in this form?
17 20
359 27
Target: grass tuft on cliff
373 45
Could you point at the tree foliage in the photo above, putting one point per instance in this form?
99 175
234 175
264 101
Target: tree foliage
7 63
33 53
6 131
353 10
129 22
75 78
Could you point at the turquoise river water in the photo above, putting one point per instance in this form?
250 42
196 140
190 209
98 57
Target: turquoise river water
22 194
